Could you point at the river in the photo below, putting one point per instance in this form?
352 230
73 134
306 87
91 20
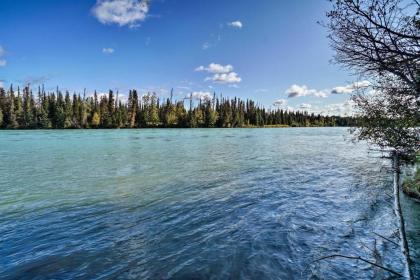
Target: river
195 204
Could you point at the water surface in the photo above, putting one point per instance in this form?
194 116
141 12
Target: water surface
193 204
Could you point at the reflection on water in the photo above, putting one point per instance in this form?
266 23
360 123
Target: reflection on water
201 204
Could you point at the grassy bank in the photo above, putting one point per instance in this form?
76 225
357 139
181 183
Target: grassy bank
411 186
282 126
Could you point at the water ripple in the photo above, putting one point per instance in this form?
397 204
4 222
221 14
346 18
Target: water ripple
190 204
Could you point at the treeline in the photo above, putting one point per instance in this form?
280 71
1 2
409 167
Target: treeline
21 109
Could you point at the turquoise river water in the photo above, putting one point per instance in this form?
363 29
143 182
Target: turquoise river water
195 204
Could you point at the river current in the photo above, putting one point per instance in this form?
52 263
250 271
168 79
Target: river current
195 204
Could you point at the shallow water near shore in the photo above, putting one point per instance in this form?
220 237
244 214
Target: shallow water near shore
195 204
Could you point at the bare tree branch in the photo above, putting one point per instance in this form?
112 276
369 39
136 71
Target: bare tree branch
376 37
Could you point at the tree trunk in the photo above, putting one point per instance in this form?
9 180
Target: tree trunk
398 213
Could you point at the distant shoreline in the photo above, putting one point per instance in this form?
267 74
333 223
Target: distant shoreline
169 128
58 110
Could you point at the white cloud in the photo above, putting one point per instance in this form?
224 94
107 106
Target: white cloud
216 68
108 50
339 109
3 62
350 88
280 103
361 84
298 91
223 74
321 94
201 95
236 24
2 51
121 12
333 109
302 90
1 84
342 90
225 78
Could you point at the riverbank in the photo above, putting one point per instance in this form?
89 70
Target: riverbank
163 127
411 185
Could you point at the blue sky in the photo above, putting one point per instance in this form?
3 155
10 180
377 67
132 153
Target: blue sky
271 51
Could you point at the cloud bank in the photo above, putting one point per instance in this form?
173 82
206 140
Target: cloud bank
341 109
302 90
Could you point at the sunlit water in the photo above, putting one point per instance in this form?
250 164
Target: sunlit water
194 204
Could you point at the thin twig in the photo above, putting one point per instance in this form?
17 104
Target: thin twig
390 196
360 259
367 247
387 239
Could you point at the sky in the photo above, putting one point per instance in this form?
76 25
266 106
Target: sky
273 52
